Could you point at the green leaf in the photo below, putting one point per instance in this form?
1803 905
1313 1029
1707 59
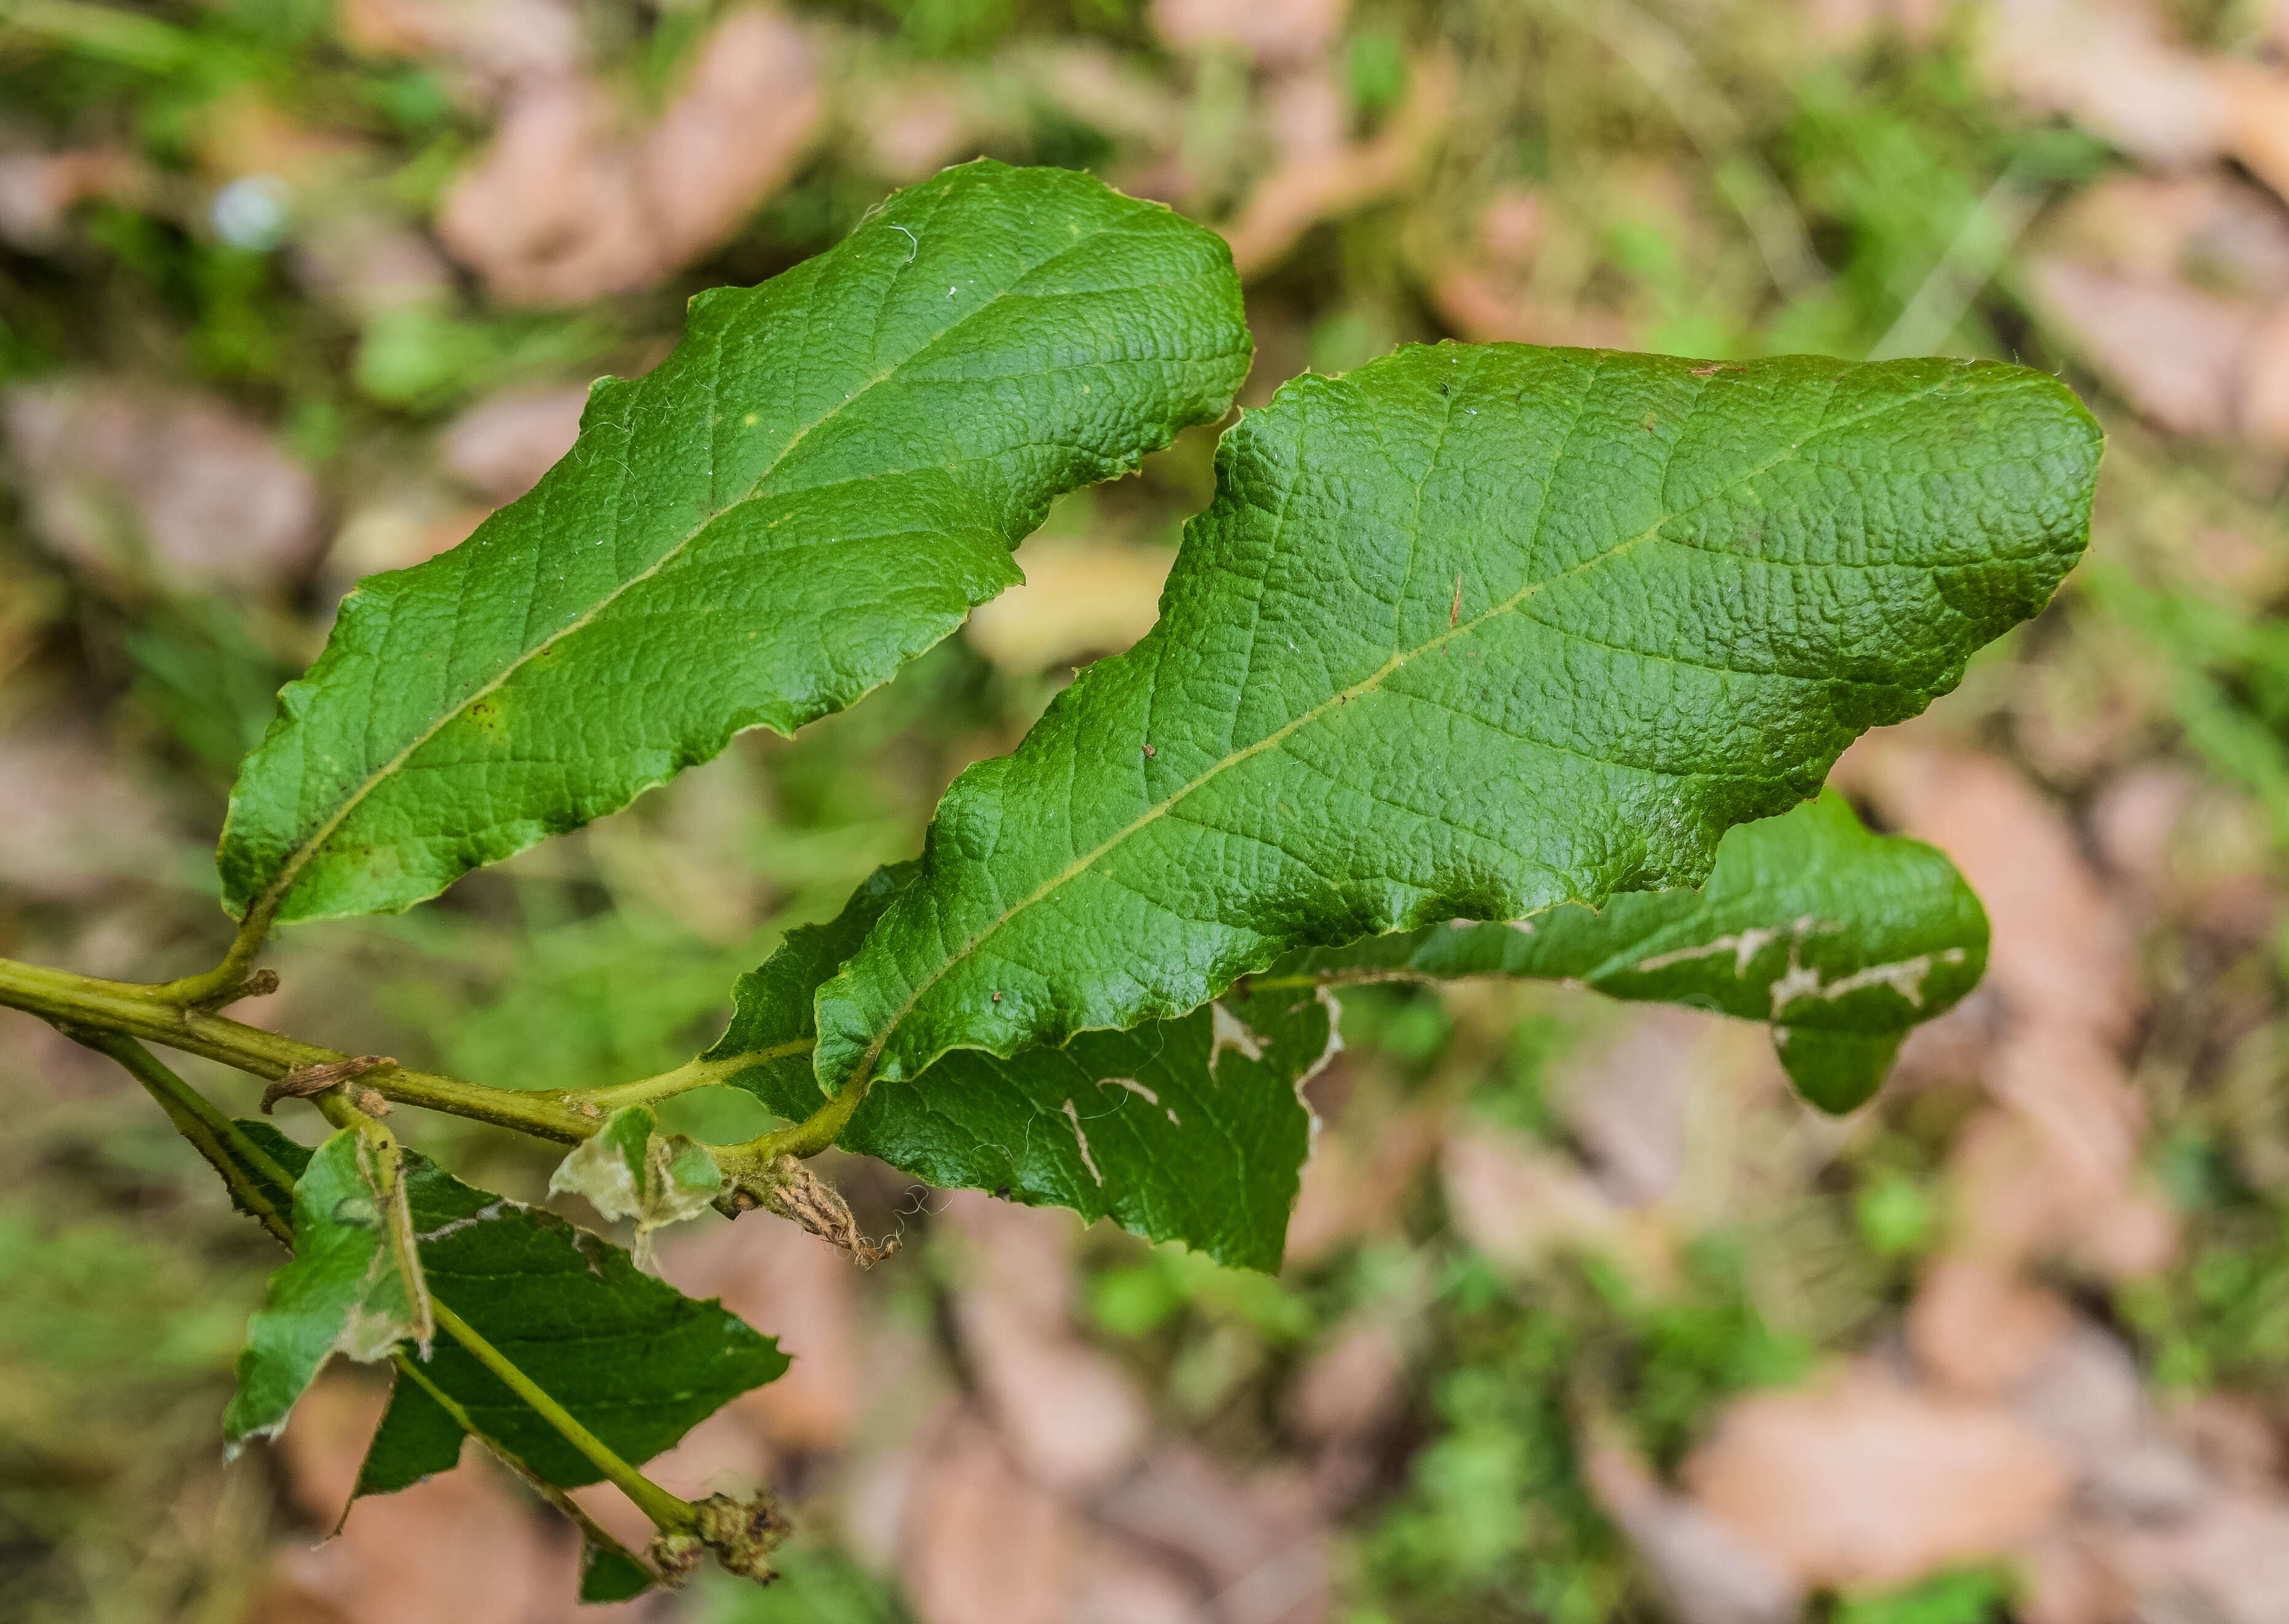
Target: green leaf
611 1575
342 1293
1188 1129
625 1170
1841 940
820 483
631 1357
1471 633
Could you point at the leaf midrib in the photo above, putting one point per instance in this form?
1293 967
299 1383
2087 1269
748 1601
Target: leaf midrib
863 1071
271 895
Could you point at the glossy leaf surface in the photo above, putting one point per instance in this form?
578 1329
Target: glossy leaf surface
821 481
1188 1129
1471 633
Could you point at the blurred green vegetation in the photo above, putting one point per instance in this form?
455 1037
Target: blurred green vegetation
1770 189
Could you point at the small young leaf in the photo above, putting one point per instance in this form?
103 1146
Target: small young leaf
820 483
1841 940
342 1293
1189 1129
627 1171
632 1358
1472 631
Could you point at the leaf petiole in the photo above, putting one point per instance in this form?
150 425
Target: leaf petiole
668 1513
215 1136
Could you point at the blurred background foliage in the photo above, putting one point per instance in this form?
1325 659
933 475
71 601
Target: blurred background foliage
1584 1318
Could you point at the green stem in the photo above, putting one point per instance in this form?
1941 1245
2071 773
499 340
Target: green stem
409 1369
692 1074
815 1133
230 1152
670 1514
87 1002
220 984
215 1136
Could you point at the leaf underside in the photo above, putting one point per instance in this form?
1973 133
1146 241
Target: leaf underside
1192 1130
1841 940
823 478
1188 1129
1470 633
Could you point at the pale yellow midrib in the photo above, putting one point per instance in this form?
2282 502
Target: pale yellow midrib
1081 865
1367 684
275 892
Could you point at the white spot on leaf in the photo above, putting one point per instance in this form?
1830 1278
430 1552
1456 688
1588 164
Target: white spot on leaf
1080 1139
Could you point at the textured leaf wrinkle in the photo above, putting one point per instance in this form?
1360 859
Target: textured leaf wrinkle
650 598
1649 700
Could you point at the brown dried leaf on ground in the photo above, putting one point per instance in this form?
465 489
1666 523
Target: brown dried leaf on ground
1261 1545
503 445
2062 953
2107 66
1705 1571
1270 31
801 1290
465 1545
2226 1563
1305 190
2173 350
1352 1388
914 127
76 823
1070 1415
369 265
1486 291
1863 1482
2065 1580
1518 1203
413 524
127 480
1116 1582
1976 1328
564 207
1360 1172
734 133
1080 600
38 190
2219 231
982 1544
1626 1103
496 43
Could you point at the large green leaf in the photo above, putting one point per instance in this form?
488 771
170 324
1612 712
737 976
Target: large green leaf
823 478
1188 1129
1472 631
1841 940
1191 1129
